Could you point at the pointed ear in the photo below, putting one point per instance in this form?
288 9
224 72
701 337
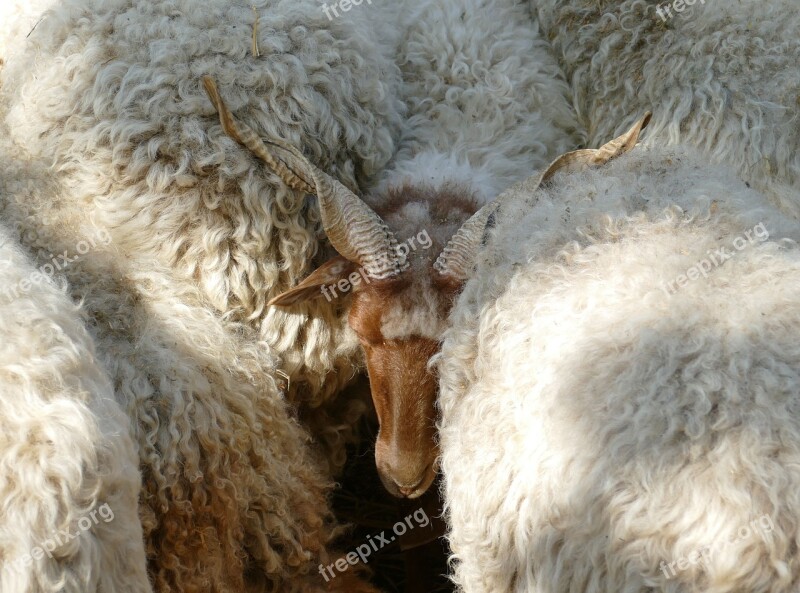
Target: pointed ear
327 274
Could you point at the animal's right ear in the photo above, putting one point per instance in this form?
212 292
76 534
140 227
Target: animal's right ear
328 274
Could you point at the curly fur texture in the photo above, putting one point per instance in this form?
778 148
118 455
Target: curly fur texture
486 100
720 76
594 423
66 450
232 498
201 235
110 91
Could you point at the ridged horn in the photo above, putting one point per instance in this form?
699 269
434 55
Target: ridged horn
354 229
457 259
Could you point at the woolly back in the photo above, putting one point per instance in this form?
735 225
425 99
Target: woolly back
487 101
624 350
196 236
719 76
65 445
111 92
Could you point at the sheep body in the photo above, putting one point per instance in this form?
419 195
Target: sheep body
598 418
485 98
233 498
718 76
622 443
70 482
111 92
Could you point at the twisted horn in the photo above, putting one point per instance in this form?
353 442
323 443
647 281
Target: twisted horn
354 229
457 259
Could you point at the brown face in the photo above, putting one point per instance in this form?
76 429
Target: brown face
403 388
398 323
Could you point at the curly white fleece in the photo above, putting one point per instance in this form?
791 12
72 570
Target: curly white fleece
486 100
721 76
231 497
109 89
202 235
594 424
65 449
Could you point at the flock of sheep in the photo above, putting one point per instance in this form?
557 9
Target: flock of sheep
607 346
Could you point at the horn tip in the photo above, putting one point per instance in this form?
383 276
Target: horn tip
211 90
208 83
278 301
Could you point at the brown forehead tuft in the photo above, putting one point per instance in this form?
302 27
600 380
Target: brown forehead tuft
449 200
448 286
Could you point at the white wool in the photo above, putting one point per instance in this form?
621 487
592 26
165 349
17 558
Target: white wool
720 76
602 410
110 91
434 169
594 423
17 19
400 320
201 234
231 494
486 100
70 479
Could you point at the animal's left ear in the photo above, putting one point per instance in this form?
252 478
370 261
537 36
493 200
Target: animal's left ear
327 274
